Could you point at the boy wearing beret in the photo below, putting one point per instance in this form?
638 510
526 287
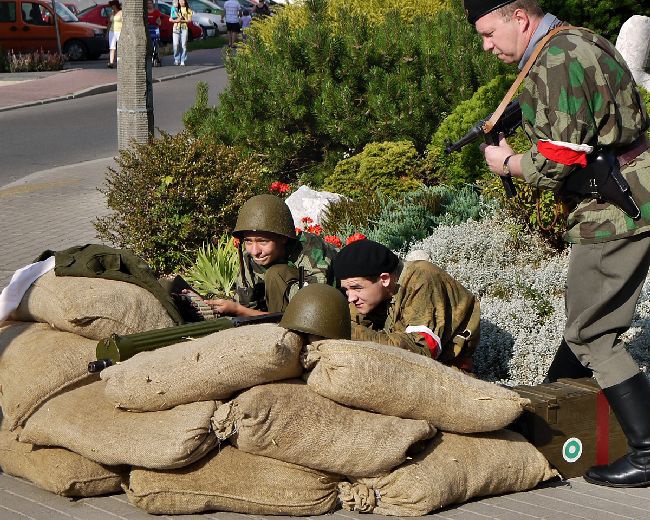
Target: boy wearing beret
412 305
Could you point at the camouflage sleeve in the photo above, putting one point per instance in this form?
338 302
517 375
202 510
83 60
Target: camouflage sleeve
413 342
316 257
577 92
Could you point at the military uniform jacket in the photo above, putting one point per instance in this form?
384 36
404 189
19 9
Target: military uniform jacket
426 295
580 91
308 251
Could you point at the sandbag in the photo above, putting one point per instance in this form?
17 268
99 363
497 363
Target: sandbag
83 420
91 307
233 480
36 362
453 469
58 470
211 367
290 422
393 381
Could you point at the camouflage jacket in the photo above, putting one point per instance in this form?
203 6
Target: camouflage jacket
580 91
428 296
308 251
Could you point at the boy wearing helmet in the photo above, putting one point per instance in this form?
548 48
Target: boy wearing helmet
272 257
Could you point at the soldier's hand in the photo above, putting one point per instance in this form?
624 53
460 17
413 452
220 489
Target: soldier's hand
227 307
496 155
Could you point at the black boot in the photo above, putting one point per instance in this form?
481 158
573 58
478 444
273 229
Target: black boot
630 401
566 365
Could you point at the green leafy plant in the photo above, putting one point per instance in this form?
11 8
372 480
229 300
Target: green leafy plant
215 268
174 193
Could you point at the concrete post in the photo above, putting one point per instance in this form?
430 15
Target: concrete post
134 90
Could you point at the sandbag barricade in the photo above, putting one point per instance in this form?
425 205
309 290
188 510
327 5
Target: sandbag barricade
392 381
37 362
232 480
290 422
58 470
453 469
91 307
83 420
211 367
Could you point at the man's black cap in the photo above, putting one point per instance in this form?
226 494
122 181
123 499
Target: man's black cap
364 258
474 9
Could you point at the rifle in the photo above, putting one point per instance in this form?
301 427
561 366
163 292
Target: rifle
119 348
509 121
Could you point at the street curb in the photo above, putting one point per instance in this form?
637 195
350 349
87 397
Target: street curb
107 87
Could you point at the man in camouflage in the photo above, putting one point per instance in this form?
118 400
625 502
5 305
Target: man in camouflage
578 100
275 260
414 305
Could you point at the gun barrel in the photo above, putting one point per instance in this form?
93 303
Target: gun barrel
475 133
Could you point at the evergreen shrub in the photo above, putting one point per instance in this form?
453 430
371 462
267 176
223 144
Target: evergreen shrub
171 195
331 88
380 168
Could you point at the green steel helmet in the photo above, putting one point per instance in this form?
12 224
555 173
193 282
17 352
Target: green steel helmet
319 309
265 213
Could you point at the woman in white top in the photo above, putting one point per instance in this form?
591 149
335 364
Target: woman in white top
181 15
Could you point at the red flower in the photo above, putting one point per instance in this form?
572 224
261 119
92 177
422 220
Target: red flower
333 239
279 187
306 220
298 230
354 238
235 242
316 229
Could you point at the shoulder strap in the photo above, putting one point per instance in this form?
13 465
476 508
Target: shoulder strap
489 124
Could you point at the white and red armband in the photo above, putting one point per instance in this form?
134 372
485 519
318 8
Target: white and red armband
433 341
563 152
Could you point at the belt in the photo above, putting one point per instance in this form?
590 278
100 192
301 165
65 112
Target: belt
629 153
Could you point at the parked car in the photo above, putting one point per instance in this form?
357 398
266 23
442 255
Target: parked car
28 25
101 14
196 31
207 14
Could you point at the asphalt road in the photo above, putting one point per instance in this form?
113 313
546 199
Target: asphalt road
68 132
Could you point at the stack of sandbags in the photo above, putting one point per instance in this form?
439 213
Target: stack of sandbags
91 307
462 462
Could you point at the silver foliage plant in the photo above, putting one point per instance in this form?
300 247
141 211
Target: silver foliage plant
520 282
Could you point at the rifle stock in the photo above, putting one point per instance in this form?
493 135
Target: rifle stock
507 124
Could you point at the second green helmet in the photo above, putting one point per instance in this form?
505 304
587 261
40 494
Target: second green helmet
319 309
266 213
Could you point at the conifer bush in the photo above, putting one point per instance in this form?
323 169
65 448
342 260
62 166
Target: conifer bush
173 194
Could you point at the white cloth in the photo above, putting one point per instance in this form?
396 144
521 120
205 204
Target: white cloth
12 295
232 8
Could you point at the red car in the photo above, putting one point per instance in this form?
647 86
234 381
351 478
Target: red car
100 14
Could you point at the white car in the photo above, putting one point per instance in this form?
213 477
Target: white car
207 15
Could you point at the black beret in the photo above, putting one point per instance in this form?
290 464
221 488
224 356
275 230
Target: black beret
474 9
364 258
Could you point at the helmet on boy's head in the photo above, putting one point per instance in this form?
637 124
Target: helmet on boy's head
319 309
266 213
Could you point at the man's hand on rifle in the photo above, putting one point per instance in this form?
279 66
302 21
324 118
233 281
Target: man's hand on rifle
232 308
496 156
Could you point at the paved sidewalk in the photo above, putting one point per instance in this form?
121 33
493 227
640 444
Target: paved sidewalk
20 90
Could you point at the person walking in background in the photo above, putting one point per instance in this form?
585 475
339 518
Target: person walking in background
245 21
261 9
181 14
587 123
231 12
114 29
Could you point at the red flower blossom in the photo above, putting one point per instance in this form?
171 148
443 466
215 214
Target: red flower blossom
298 230
279 187
316 229
235 242
306 220
354 238
333 239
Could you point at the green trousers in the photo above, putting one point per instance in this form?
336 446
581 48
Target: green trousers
280 284
603 285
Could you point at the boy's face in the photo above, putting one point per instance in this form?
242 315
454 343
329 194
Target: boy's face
265 248
365 294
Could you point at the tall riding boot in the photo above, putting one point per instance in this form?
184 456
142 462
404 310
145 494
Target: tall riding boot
630 401
566 365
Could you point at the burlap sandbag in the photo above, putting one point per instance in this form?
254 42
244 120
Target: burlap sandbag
393 381
91 307
36 362
453 469
211 367
290 422
85 421
58 470
232 480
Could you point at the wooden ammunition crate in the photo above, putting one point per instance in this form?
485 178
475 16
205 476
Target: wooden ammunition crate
571 408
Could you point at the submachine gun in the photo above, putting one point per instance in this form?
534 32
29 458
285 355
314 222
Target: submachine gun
119 348
509 121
